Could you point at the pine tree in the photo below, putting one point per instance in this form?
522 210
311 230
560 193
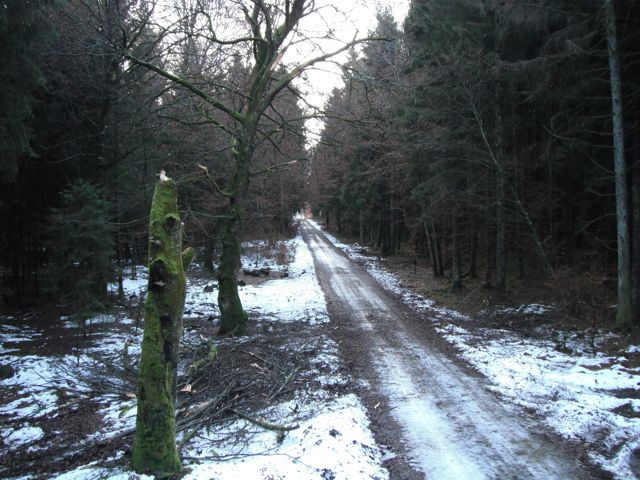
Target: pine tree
22 28
82 246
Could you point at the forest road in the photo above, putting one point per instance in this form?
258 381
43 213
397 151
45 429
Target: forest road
434 413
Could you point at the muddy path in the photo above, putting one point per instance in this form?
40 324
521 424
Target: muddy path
431 410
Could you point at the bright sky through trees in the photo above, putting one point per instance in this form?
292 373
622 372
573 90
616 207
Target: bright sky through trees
343 20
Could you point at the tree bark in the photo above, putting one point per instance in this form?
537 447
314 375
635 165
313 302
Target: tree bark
392 226
431 248
635 230
501 180
154 449
233 318
623 314
501 236
438 252
473 261
456 264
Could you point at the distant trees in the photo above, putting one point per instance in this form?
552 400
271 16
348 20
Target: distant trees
77 111
248 108
355 174
82 245
22 33
504 158
89 126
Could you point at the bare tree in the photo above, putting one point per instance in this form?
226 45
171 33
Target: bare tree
269 28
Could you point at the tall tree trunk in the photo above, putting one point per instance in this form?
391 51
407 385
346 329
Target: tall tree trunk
635 244
438 251
456 264
501 180
154 449
501 236
233 318
208 254
431 248
635 230
473 260
623 315
392 226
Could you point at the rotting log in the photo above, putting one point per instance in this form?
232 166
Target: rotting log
154 450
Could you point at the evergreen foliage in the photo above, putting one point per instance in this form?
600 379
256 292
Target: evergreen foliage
492 140
22 29
82 246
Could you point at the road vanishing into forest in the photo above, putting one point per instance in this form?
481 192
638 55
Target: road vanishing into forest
425 405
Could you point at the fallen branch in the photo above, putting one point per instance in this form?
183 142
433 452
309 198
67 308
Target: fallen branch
263 423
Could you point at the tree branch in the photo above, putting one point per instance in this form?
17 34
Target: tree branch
189 86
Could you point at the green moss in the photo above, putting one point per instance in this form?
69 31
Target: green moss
154 449
187 257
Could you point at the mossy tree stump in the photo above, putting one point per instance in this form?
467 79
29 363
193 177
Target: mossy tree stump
154 450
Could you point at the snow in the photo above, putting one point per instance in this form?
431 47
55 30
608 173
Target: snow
11 334
574 394
334 443
333 440
581 395
35 379
295 298
578 394
390 282
133 286
21 436
536 309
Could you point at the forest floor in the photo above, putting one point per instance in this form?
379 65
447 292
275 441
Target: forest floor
67 402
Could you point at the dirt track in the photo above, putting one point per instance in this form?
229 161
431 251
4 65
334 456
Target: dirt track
428 408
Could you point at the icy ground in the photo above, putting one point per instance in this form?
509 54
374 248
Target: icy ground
332 441
586 394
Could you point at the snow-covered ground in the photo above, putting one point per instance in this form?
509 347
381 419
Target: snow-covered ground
586 395
332 441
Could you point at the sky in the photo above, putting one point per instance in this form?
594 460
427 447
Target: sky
331 25
346 19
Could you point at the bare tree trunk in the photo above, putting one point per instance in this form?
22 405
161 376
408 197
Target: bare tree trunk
473 260
501 236
209 248
456 264
233 318
635 230
623 315
431 248
501 180
489 249
154 449
392 230
438 252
